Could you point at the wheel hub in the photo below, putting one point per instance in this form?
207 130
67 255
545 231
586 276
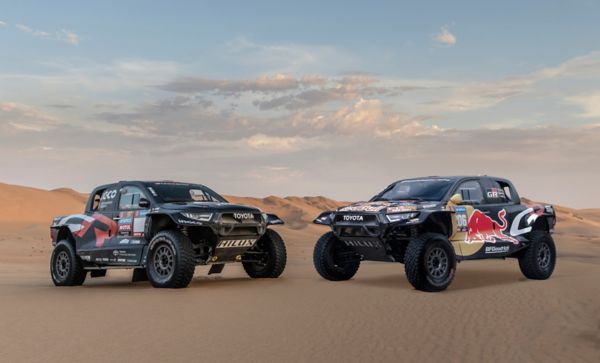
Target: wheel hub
164 261
543 257
437 263
62 264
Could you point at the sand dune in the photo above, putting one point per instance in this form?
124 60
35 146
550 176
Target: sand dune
490 312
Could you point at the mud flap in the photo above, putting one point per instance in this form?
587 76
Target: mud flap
216 268
97 273
139 274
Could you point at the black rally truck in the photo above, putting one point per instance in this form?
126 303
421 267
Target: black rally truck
429 224
163 230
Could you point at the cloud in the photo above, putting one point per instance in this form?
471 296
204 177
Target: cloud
3 24
265 84
589 102
278 144
68 36
16 117
444 37
62 35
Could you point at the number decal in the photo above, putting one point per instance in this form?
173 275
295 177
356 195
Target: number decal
461 219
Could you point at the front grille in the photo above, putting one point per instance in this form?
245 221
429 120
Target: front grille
230 218
351 218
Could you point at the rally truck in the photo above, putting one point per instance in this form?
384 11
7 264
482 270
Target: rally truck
163 230
429 224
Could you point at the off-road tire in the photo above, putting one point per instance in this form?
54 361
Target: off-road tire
538 260
420 262
276 257
170 262
327 267
66 268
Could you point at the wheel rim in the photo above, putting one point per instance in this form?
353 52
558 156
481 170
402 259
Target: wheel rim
62 264
164 261
544 256
437 263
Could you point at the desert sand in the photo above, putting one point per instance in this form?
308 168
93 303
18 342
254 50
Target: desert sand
489 313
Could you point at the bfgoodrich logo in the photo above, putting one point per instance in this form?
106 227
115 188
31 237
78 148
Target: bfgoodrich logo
353 218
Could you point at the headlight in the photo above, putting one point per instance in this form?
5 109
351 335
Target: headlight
202 217
324 218
401 216
265 217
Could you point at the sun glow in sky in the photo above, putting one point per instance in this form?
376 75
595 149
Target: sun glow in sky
336 98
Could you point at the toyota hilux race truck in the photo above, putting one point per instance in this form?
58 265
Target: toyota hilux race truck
429 224
163 230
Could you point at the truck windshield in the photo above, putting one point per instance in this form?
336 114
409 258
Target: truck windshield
416 189
169 192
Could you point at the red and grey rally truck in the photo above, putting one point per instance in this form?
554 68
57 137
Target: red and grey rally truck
162 230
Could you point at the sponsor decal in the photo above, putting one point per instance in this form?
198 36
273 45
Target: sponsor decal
189 221
495 193
85 257
124 241
532 215
353 218
125 221
124 227
108 195
401 208
243 216
496 249
482 228
233 243
135 241
362 243
366 207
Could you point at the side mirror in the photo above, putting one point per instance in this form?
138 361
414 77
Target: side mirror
144 203
456 199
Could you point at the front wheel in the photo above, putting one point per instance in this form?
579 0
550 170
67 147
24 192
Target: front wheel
538 260
430 262
268 256
333 260
170 262
66 268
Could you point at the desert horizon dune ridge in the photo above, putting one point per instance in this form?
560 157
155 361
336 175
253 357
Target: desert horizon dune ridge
489 313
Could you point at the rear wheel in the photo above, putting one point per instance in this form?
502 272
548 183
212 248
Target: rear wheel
538 260
268 256
66 268
430 262
333 260
170 262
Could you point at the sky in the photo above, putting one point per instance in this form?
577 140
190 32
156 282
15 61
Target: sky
336 98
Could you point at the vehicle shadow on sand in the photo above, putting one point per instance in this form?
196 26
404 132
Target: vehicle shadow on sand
463 280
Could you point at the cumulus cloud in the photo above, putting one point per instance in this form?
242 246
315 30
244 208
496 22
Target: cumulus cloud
3 24
444 37
275 83
62 35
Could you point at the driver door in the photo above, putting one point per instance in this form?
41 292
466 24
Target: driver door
467 238
126 247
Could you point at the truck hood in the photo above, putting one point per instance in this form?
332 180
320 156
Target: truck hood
209 207
388 207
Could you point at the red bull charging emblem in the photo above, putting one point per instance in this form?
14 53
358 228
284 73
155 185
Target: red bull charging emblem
482 228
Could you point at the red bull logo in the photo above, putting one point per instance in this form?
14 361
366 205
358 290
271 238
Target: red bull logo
483 228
